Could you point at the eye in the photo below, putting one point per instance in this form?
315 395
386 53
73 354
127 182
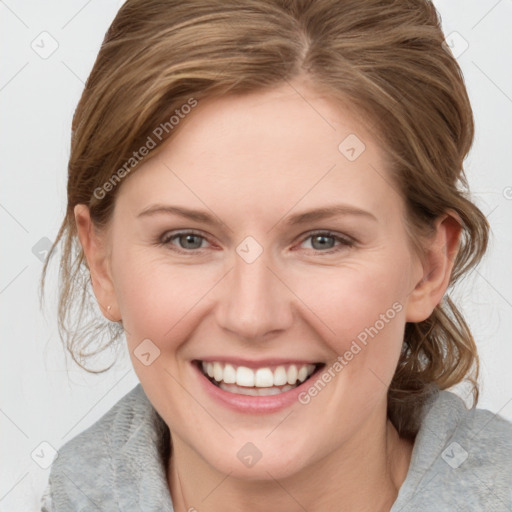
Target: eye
324 242
188 241
191 241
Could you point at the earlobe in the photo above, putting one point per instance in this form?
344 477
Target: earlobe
440 255
97 257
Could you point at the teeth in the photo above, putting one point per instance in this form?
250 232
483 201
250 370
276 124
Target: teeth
244 377
264 378
229 376
303 374
292 374
218 372
281 377
233 388
241 376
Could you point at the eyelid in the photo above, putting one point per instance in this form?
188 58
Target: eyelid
346 241
328 232
173 232
302 237
167 236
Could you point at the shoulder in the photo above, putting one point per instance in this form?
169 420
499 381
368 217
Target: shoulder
485 436
462 459
477 456
88 468
107 433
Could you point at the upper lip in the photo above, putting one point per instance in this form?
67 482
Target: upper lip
261 363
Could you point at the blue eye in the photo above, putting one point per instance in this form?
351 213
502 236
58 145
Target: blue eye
321 240
188 240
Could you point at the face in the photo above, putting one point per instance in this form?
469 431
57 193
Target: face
247 287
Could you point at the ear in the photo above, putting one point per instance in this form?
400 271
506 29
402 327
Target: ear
97 256
440 255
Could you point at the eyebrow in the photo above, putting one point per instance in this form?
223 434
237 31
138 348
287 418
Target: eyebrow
299 218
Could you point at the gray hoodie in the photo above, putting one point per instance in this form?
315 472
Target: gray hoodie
461 461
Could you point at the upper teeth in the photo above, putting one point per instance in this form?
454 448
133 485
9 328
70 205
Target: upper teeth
261 377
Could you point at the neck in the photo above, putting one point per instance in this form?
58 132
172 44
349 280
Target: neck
365 474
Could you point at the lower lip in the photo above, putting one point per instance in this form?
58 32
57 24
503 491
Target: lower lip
252 404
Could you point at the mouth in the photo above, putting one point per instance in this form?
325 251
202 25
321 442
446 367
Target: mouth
261 381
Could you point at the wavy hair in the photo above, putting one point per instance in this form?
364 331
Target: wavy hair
386 59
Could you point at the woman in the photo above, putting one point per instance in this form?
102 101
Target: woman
269 200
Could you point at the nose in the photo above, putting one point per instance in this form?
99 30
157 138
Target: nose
254 301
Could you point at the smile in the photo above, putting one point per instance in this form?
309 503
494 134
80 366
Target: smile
262 381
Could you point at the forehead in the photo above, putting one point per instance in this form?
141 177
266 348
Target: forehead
269 150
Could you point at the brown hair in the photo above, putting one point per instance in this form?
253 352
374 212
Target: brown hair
384 58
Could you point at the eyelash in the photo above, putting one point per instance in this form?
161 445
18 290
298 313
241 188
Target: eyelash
345 242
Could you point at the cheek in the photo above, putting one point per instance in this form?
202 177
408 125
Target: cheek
140 297
156 298
358 302
348 300
361 315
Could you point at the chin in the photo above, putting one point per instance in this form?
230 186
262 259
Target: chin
258 460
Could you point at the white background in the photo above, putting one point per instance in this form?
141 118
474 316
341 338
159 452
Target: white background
42 399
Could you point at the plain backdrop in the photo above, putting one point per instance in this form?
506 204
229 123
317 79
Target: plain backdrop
47 50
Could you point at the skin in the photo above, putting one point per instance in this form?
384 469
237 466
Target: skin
252 161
